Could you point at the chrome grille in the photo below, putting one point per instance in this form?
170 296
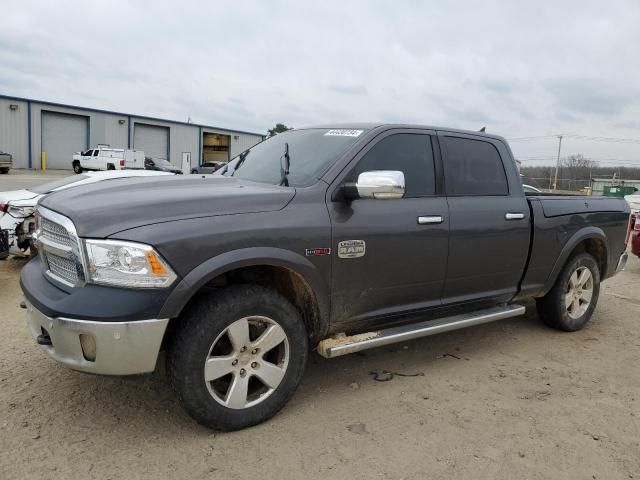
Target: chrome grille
59 248
64 268
55 232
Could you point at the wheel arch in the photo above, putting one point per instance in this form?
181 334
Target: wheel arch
591 240
289 273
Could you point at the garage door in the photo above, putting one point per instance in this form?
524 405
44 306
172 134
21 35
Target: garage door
151 139
62 135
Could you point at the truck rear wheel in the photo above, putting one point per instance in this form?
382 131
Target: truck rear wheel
570 303
237 356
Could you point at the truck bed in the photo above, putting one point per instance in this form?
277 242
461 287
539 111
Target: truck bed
559 223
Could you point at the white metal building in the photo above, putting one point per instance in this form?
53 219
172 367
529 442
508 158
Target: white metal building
30 127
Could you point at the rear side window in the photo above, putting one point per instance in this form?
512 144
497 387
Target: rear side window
411 154
473 167
95 153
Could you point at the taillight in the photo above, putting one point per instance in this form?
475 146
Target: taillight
629 227
636 222
3 207
122 163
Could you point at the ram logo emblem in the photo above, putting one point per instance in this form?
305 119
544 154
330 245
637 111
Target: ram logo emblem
351 248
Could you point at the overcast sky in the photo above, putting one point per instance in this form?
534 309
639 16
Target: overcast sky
519 68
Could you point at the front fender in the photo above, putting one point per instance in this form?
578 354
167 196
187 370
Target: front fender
246 257
581 235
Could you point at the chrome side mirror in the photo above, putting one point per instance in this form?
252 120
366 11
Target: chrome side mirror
380 185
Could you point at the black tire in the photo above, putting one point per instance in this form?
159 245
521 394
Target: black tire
110 166
552 308
4 171
77 168
201 326
194 171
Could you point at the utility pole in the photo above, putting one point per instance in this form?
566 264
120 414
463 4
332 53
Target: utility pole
555 180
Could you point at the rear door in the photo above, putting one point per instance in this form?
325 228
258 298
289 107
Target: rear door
390 256
489 215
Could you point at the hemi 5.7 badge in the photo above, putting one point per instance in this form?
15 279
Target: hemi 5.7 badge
351 248
317 252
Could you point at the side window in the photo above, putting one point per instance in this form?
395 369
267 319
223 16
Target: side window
473 167
412 154
95 153
88 153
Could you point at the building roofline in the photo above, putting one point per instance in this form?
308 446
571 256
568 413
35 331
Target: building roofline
112 112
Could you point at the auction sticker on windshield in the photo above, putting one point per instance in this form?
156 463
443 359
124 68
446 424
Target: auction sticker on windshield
343 133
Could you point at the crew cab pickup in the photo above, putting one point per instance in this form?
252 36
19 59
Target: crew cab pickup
336 238
104 157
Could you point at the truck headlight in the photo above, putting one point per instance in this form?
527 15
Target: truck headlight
127 264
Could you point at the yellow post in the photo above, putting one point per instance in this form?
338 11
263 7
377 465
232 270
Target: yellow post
43 161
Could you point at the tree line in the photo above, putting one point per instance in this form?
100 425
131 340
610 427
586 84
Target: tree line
575 173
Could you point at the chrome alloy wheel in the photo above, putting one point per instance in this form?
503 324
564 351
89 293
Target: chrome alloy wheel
579 292
246 362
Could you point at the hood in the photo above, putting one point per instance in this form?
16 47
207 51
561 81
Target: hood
105 208
12 195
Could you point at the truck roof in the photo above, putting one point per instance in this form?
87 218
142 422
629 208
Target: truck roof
372 125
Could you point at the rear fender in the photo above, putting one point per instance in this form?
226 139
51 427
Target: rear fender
580 236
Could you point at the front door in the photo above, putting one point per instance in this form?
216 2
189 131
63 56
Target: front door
489 229
390 256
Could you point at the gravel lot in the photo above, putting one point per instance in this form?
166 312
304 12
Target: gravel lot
512 399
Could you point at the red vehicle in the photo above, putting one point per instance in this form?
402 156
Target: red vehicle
634 228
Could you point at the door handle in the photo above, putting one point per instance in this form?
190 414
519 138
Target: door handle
513 216
430 219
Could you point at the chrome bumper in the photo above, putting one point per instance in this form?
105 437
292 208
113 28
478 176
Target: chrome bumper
622 261
110 348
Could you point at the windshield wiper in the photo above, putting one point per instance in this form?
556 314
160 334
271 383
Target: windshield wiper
242 156
285 162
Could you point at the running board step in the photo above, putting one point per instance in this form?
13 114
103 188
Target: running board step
343 345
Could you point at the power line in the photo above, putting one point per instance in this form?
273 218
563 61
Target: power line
527 139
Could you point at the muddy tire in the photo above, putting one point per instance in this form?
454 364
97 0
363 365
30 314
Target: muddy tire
570 303
236 357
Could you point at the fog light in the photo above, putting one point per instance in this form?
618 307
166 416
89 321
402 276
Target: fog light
88 344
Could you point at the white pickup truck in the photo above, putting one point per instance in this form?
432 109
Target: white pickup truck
104 157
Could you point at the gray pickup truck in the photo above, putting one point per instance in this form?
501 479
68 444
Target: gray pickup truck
336 238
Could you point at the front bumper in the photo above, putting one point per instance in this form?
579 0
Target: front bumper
109 348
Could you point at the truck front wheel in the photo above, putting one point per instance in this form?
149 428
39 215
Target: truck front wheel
237 356
76 167
570 303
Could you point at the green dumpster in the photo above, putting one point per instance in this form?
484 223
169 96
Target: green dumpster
618 191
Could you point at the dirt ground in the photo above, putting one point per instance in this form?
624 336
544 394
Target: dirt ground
509 400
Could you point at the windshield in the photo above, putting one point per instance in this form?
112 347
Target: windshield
51 186
311 153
